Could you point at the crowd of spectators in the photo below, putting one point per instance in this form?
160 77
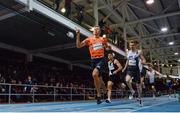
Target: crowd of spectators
16 70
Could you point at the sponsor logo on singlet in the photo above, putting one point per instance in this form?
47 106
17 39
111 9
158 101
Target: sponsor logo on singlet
97 46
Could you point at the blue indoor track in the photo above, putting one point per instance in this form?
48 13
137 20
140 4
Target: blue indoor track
160 104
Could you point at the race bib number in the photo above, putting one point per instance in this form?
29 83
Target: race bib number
132 62
97 46
111 67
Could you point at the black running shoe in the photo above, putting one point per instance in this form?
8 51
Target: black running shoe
140 103
138 99
99 100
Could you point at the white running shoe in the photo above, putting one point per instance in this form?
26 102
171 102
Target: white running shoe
154 97
108 101
131 95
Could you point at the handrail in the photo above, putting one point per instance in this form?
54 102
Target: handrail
58 93
43 86
68 93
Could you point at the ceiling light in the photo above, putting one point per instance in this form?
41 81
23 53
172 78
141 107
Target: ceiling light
149 2
176 53
164 29
171 65
179 60
171 43
104 36
91 29
162 64
63 10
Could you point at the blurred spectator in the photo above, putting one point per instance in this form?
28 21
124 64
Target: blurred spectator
114 36
2 88
107 30
2 79
68 8
80 15
57 2
29 89
102 25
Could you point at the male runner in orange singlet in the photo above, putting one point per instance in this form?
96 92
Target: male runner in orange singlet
97 46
